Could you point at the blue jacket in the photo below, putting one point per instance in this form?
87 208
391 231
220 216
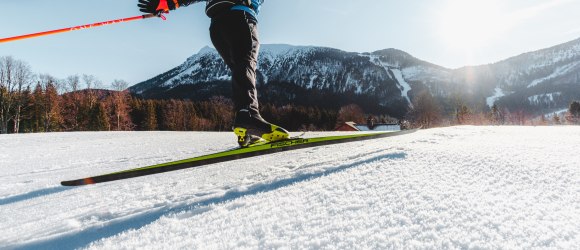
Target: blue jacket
254 10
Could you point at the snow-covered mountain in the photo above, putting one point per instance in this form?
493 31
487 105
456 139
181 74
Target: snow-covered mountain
544 79
290 73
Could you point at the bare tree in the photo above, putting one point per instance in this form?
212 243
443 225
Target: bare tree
120 105
23 78
91 83
7 87
15 77
352 113
119 85
72 103
426 111
222 114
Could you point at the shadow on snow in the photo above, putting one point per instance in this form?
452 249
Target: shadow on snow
32 195
114 227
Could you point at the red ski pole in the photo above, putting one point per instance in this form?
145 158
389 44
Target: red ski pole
81 27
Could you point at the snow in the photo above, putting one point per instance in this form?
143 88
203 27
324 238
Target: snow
187 72
279 49
497 94
310 84
273 51
406 87
447 188
545 98
206 50
557 72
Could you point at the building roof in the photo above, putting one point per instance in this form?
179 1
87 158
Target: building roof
376 127
379 127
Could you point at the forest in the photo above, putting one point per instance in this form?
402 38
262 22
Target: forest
32 103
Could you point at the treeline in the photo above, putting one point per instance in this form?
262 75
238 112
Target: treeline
42 109
216 114
42 103
428 111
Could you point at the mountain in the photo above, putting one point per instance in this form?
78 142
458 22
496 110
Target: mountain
382 81
540 81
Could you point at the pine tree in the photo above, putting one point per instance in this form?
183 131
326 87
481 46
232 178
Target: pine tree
574 111
37 112
137 113
100 118
72 105
150 119
173 115
496 116
52 107
463 115
25 124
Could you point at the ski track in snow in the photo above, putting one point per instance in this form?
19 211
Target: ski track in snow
456 188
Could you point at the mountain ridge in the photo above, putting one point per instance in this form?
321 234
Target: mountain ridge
387 79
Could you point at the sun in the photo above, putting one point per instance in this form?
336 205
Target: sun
470 24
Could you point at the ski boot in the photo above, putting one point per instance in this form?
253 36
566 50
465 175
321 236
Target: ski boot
252 129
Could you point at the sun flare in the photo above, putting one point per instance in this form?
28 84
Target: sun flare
470 24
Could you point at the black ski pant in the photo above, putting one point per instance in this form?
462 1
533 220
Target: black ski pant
235 36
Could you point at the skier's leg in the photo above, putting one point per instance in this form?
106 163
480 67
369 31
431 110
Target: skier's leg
236 38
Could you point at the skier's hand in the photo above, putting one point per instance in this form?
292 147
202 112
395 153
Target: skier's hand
157 7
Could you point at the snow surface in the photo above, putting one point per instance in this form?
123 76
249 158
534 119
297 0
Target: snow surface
450 188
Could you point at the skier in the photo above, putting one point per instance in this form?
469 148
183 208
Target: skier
234 33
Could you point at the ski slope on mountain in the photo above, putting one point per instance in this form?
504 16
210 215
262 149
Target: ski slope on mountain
457 188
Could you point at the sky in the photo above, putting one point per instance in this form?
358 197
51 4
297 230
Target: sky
450 33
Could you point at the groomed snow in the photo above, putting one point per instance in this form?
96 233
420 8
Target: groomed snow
455 188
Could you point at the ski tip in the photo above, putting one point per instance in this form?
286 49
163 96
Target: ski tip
80 182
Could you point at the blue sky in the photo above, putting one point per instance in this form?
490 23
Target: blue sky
451 33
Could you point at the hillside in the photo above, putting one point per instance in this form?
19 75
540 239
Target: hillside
456 188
